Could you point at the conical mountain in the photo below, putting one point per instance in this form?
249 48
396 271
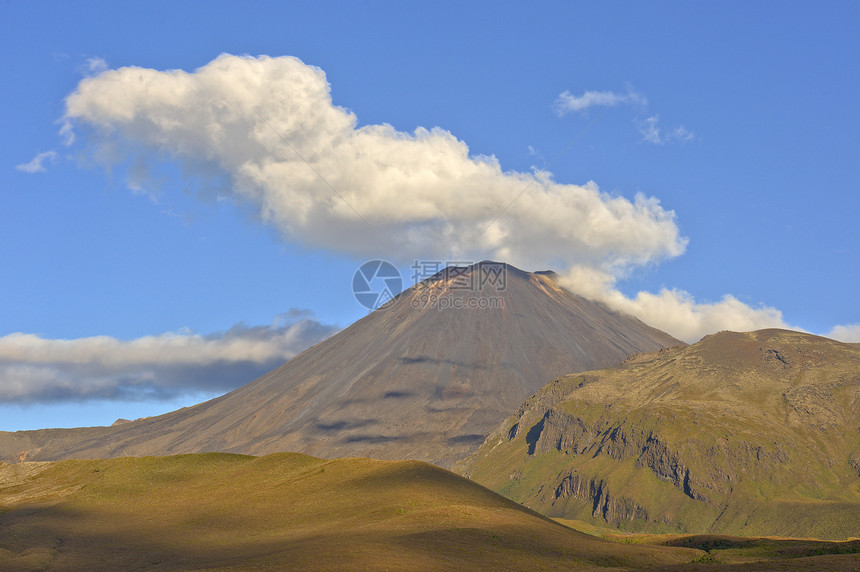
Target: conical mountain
753 434
426 377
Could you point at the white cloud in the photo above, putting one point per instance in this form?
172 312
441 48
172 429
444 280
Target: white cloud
681 133
673 311
849 333
567 102
267 128
534 152
95 66
67 133
33 368
649 127
37 164
651 132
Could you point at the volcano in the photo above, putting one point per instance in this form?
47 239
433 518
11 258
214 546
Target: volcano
427 376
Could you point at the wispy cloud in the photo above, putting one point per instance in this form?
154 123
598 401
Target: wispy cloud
681 133
649 128
95 66
36 369
536 154
651 132
37 164
567 102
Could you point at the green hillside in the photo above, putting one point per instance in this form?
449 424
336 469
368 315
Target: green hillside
747 434
283 511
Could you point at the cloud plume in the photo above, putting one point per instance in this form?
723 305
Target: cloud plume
673 311
264 131
33 368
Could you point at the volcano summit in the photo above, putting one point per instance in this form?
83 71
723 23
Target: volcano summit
425 377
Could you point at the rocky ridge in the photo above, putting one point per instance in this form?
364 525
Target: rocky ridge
728 435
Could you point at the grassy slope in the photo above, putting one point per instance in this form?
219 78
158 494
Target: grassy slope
772 446
741 553
281 511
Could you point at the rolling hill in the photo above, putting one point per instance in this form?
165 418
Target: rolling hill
282 511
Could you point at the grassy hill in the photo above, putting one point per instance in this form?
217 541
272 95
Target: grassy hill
744 434
282 511
294 512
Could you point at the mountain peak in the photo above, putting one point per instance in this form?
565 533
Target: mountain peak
488 268
426 376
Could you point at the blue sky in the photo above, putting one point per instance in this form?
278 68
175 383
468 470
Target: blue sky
176 247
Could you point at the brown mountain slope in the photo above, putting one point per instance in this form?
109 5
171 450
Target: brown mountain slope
426 378
752 434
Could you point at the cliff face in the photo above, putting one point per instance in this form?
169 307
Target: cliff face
611 509
754 433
